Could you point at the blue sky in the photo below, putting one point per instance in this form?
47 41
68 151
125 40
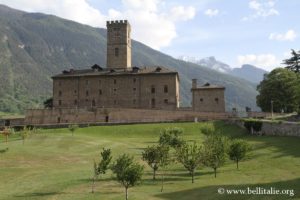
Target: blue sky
259 32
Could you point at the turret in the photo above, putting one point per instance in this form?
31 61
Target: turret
118 44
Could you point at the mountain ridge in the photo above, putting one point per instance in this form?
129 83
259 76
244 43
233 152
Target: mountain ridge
248 72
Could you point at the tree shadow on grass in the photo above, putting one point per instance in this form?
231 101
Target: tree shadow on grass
38 194
211 192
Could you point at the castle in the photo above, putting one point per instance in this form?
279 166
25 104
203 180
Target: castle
122 92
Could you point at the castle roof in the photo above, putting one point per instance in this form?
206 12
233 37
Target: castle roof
96 70
208 86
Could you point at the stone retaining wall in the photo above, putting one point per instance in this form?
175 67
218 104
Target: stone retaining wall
281 129
114 115
274 128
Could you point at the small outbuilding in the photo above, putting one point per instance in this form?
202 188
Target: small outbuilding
207 98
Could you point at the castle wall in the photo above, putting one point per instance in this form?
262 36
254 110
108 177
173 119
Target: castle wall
113 115
118 91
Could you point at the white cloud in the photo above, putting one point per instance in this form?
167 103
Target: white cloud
290 35
182 13
265 61
211 12
261 8
153 22
78 10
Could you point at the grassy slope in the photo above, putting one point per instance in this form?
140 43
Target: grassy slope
55 165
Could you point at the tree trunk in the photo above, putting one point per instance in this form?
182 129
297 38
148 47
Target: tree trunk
192 176
237 164
154 174
215 169
126 193
93 185
162 182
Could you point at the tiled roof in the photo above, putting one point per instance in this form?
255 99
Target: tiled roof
96 70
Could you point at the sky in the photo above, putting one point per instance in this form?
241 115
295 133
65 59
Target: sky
258 32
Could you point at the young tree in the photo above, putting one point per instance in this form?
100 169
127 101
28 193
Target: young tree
24 134
190 156
238 150
128 173
73 128
164 161
171 137
102 166
6 132
153 155
214 151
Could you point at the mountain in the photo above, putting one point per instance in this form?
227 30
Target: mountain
249 72
209 62
212 63
36 46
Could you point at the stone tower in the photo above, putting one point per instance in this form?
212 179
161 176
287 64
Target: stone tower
118 44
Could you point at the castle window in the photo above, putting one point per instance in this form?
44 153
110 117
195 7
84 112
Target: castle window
166 101
75 91
99 82
100 92
59 93
152 89
115 81
134 89
166 89
134 101
134 80
93 103
116 52
59 102
201 100
87 93
217 100
115 91
75 102
152 103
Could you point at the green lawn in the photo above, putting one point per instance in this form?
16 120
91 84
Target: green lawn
54 165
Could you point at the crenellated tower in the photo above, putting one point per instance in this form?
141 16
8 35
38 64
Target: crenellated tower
118 44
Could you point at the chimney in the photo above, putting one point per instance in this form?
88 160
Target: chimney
194 83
